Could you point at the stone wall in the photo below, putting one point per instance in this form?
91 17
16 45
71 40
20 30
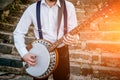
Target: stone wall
95 57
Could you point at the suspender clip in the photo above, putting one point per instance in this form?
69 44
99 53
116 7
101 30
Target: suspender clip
39 30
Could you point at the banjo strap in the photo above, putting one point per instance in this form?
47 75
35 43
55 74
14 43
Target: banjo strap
60 10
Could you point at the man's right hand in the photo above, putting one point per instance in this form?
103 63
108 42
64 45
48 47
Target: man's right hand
30 59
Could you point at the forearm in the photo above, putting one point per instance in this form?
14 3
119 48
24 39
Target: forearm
19 42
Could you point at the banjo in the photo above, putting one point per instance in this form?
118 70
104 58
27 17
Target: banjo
47 56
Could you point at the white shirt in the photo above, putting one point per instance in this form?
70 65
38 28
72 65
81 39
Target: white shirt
49 19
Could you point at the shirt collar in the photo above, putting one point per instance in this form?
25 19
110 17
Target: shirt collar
57 3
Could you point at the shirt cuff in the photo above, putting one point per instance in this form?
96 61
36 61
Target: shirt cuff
23 51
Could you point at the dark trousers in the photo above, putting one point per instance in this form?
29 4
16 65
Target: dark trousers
62 71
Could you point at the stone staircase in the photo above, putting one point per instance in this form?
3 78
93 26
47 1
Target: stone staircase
10 61
95 57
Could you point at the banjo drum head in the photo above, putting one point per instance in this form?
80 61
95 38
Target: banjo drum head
42 58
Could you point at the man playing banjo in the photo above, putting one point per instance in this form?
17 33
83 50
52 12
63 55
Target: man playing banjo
49 12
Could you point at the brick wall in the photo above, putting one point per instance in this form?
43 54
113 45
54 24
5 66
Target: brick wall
96 55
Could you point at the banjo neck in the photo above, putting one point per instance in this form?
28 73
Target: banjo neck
102 12
54 45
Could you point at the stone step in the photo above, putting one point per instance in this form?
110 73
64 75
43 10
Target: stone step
72 77
6 48
7 27
18 9
6 76
12 70
96 71
103 46
28 1
16 14
6 37
22 77
100 35
10 20
95 57
11 62
23 7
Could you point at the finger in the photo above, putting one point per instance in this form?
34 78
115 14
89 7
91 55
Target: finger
76 37
66 41
31 63
32 58
33 55
69 37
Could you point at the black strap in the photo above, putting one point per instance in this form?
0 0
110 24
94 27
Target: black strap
38 19
60 10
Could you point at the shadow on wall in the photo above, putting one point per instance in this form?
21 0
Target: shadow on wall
5 3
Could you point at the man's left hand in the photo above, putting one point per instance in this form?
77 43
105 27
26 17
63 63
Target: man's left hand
70 39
